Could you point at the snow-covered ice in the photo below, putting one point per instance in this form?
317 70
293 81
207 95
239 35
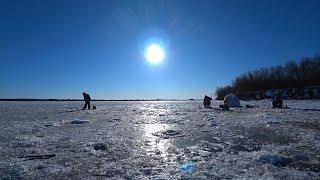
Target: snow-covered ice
159 140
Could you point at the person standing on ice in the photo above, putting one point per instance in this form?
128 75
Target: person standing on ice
87 100
207 101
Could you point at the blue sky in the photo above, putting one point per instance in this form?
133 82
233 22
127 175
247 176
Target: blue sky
60 48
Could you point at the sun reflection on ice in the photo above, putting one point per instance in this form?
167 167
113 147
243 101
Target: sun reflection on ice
155 144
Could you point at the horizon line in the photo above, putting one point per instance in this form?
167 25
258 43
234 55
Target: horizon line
57 99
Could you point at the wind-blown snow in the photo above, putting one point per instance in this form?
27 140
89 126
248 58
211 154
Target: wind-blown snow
159 140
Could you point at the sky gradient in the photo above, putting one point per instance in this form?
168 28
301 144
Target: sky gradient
60 48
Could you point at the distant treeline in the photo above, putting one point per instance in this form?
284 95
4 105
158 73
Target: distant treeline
291 75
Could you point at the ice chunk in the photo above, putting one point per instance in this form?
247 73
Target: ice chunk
100 147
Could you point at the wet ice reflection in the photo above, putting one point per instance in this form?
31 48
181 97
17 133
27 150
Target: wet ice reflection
156 145
186 167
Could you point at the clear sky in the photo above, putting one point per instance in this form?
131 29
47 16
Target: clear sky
60 48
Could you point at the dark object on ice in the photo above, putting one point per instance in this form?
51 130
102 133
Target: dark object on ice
48 125
33 157
77 121
207 101
100 147
277 103
249 106
87 100
114 120
94 107
224 107
276 160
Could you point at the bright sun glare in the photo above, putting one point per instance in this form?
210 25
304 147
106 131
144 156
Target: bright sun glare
154 54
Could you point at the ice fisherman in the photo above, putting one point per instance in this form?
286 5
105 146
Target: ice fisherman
87 100
278 102
207 101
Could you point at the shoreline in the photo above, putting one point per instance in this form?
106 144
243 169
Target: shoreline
23 99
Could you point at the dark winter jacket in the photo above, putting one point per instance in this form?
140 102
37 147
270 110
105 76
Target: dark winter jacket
86 97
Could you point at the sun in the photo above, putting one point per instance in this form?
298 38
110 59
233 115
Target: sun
154 54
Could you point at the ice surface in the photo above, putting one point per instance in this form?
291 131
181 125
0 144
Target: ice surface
159 140
275 160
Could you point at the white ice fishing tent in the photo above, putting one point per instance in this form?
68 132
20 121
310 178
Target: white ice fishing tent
232 100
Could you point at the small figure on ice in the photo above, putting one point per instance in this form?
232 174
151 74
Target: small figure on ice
87 100
207 102
277 103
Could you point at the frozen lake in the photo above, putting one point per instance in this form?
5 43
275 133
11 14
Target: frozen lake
159 140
